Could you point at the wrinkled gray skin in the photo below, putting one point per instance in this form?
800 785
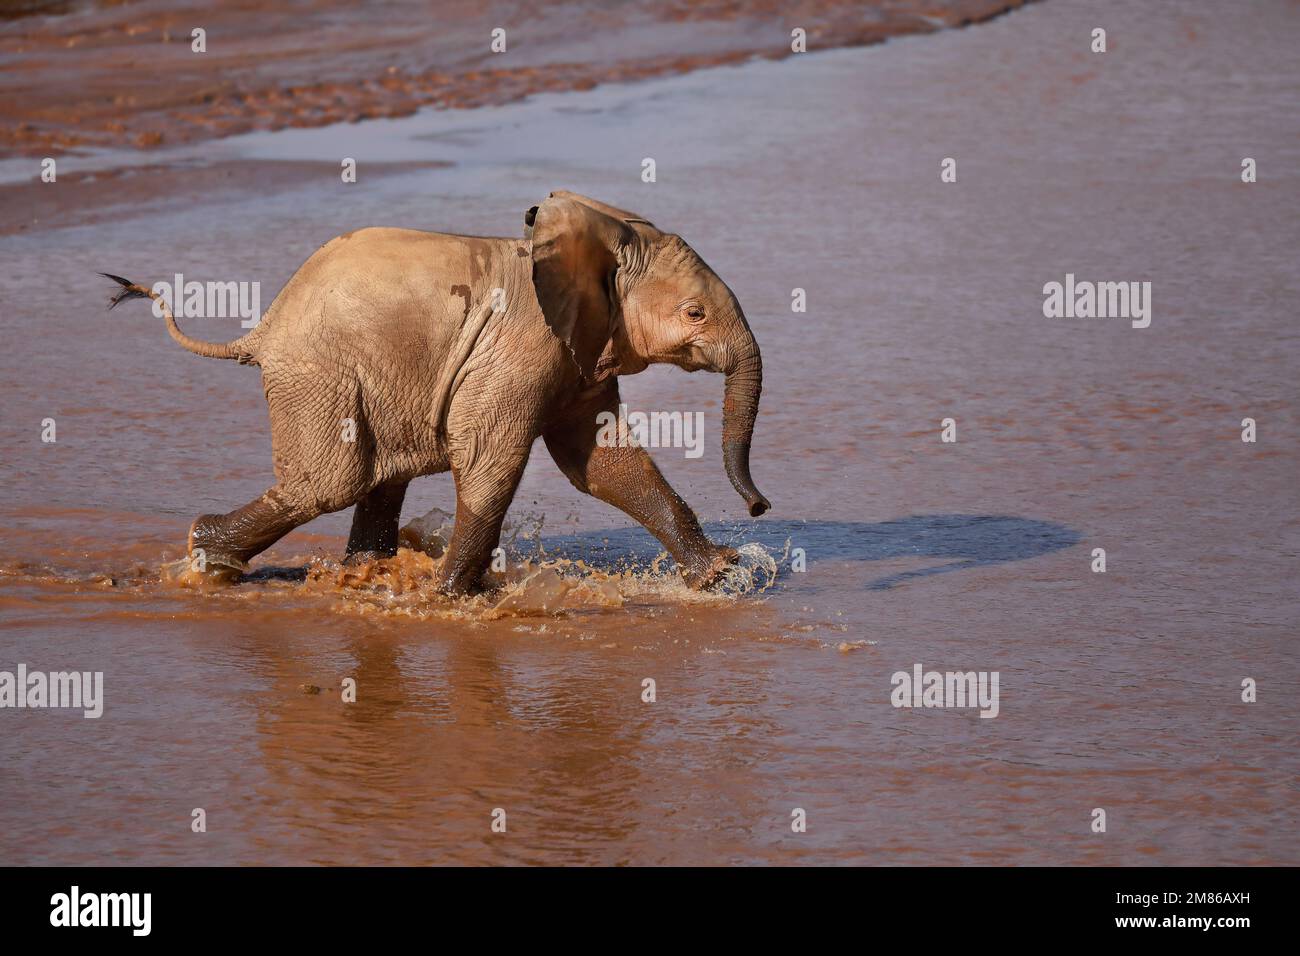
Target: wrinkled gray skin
396 330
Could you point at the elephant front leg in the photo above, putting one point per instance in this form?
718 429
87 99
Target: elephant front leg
483 495
627 478
374 523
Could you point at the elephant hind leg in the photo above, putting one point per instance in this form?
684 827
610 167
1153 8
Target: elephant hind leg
232 539
374 522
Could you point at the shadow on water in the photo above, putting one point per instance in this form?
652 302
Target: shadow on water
966 541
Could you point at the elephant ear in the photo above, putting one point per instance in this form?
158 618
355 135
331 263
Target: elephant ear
612 211
575 251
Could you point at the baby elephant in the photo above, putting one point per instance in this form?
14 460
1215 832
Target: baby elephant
394 353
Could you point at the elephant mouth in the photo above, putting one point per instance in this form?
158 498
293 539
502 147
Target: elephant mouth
690 360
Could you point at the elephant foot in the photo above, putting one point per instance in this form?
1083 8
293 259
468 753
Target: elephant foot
461 580
201 573
354 558
711 571
210 562
458 587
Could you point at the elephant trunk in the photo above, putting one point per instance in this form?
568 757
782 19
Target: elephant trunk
739 410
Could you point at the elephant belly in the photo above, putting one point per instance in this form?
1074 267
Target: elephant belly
394 411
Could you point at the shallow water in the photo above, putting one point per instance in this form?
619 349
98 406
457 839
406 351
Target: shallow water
115 73
1118 690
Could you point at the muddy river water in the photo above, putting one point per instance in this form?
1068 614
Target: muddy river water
1119 690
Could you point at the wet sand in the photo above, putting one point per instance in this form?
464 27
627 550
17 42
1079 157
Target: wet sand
112 73
1118 690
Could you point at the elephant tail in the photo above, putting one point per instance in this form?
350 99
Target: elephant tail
238 349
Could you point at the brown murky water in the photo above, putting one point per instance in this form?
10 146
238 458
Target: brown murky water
127 72
1119 690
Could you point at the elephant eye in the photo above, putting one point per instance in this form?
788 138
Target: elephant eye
695 312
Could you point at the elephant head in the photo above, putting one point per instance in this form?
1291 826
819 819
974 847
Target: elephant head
622 294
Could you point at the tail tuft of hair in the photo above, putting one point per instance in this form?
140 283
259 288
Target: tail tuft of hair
129 290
